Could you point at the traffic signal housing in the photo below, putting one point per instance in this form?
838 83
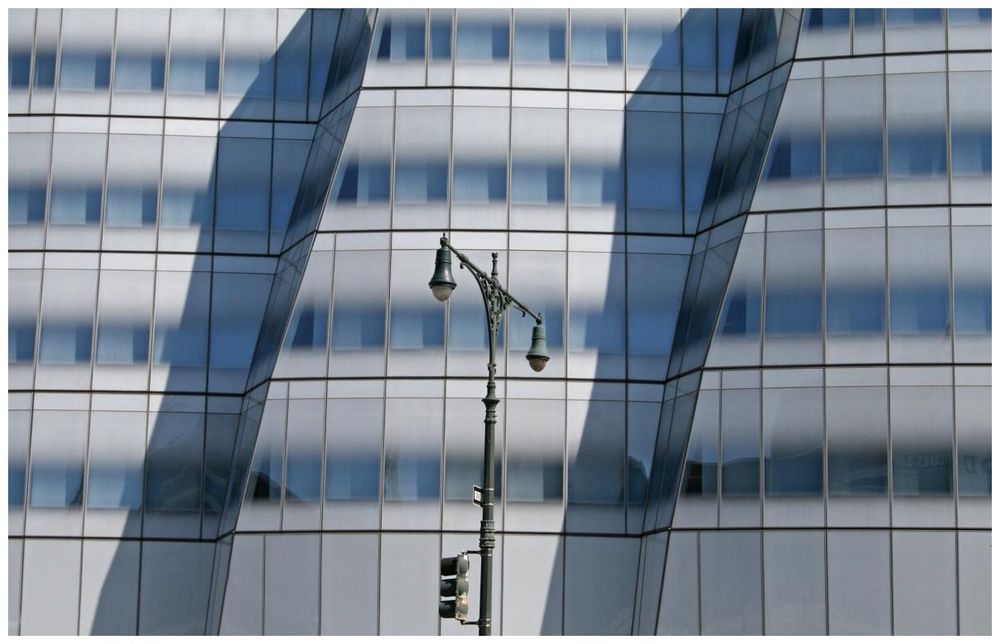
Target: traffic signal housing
454 587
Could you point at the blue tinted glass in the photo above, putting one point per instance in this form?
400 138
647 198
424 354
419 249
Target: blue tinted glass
401 39
867 17
742 314
971 151
113 484
480 182
539 42
416 329
56 485
359 328
597 44
794 156
20 342
87 71
139 72
483 42
854 154
18 68
131 205
827 19
969 16
537 183
593 185
45 69
364 182
309 328
916 152
440 37
860 309
913 16
194 74
181 347
74 203
352 476
421 182
303 476
122 344
973 307
26 202
919 308
65 343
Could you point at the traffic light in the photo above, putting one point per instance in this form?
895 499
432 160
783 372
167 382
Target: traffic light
454 587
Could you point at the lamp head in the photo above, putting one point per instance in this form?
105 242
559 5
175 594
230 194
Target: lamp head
538 354
442 283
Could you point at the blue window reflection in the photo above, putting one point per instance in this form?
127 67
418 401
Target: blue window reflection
112 485
537 183
854 154
131 205
440 37
421 182
65 343
26 202
412 328
911 17
364 182
867 18
794 155
45 68
969 16
480 181
480 42
915 152
56 485
594 185
75 203
194 73
308 330
827 19
400 39
352 477
971 151
597 44
793 311
973 308
122 344
139 72
855 310
18 68
85 71
919 308
357 328
303 476
859 471
539 42
20 342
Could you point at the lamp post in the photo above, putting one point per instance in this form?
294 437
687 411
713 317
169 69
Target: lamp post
497 300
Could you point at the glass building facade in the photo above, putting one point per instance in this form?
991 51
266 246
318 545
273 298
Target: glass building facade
760 240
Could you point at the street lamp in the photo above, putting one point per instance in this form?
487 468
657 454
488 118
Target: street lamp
497 300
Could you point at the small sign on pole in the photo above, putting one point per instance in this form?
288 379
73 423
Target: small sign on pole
477 495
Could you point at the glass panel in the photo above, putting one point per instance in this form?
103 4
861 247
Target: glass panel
422 136
348 589
353 463
922 474
397 52
291 582
220 436
596 175
174 587
114 475
140 61
969 29
596 342
860 583
180 330
825 32
654 49
643 422
174 475
55 490
303 466
795 583
23 293
238 301
195 52
413 443
971 252
261 503
18 434
791 174
242 612
85 60
595 444
535 443
539 48
248 66
286 175
292 64
701 132
77 189
975 459
539 279
597 49
697 502
468 332
793 457
532 592
855 295
924 599
464 462
655 287
919 312
109 588
699 27
133 192
416 324
482 47
360 286
679 611
538 169
731 583
971 140
853 114
916 120
654 172
857 467
124 307
188 193
480 143
914 30
27 177
793 300
740 458
67 327
243 198
599 591
50 595
303 352
974 588
359 197
407 602
737 336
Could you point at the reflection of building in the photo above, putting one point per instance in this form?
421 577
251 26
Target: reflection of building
760 240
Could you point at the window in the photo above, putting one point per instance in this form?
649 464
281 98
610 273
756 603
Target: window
920 313
853 114
855 295
539 36
793 300
353 462
399 36
133 181
793 457
483 36
916 120
77 178
360 287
